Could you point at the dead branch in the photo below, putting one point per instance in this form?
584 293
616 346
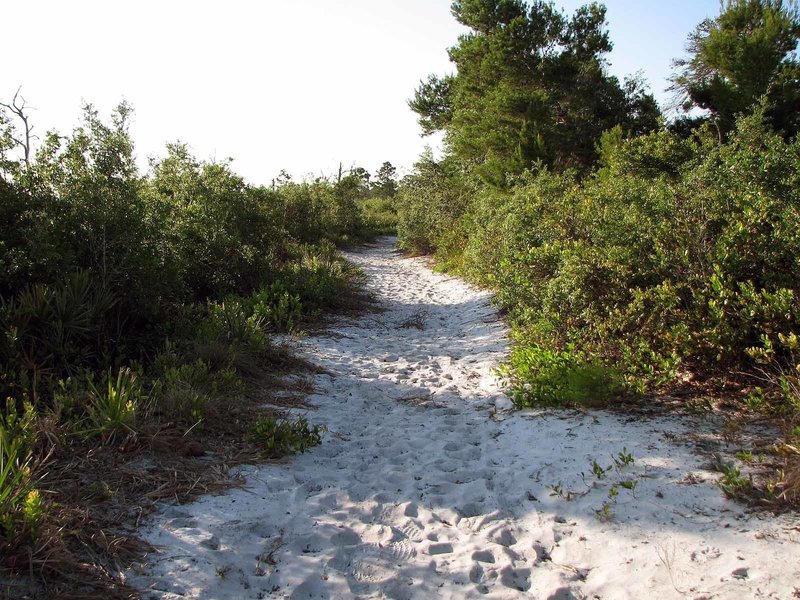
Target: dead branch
18 107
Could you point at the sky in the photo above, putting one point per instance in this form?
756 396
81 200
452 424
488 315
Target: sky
300 85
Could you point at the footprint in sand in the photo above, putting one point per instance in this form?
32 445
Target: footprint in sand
417 492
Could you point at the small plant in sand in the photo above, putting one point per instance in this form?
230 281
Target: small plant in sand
414 321
598 471
623 459
630 485
557 489
733 483
281 437
223 571
605 513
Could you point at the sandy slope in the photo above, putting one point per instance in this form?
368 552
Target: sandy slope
418 491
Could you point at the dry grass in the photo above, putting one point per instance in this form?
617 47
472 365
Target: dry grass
421 400
789 485
415 321
96 496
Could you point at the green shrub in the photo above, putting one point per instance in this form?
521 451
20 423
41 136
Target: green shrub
223 236
182 392
114 404
280 437
379 217
677 253
321 210
278 307
316 279
181 270
539 377
51 330
187 392
430 203
20 503
230 323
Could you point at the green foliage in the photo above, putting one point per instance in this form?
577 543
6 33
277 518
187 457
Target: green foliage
623 459
230 322
598 471
530 86
99 264
83 205
539 377
223 235
187 391
379 217
318 278
430 203
605 514
385 184
746 53
280 437
679 251
733 483
182 271
779 363
114 403
278 307
183 391
676 252
50 330
310 212
20 504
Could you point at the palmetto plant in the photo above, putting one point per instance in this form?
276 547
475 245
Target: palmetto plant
281 437
50 329
113 404
234 324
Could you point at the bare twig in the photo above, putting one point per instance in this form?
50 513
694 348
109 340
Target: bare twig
18 108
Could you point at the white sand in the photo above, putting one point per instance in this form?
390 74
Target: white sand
418 491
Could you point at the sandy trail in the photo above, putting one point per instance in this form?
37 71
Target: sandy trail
420 490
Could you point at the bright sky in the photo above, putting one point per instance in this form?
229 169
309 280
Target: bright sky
276 84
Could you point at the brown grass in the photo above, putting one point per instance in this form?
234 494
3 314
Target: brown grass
789 485
96 496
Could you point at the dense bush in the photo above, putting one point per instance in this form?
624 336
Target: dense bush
129 300
379 216
675 253
98 262
431 203
539 377
620 245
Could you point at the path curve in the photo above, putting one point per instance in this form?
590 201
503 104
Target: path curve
426 487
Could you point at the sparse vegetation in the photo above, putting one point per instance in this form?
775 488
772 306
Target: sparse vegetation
276 438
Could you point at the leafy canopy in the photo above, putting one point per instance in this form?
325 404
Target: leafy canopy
530 86
746 53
